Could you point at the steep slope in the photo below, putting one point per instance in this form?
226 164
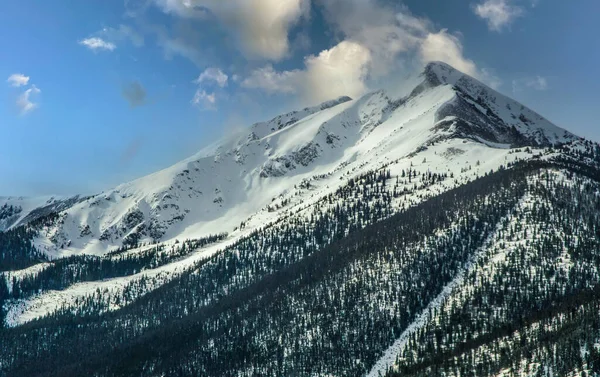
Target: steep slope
234 181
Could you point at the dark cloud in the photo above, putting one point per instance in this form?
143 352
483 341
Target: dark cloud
134 93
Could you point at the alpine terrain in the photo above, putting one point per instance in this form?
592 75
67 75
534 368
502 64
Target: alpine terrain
448 231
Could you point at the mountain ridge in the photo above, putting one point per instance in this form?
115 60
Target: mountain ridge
165 205
414 236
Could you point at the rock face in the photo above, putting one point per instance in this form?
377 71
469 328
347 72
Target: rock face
227 184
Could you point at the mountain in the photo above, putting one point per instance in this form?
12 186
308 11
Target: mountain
450 232
270 161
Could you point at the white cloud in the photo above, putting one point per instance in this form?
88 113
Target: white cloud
24 102
213 75
260 26
17 80
445 47
392 33
535 83
377 40
97 44
341 70
213 78
498 13
384 29
205 100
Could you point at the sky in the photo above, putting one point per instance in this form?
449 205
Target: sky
98 92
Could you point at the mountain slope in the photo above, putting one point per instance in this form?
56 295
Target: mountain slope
345 239
336 310
249 171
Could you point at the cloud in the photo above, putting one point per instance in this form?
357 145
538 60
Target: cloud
24 102
261 27
18 80
377 41
271 81
498 13
134 93
213 75
386 30
341 70
213 78
445 47
204 100
535 83
97 44
107 38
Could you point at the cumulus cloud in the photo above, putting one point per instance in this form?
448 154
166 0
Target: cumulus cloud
17 80
212 78
97 44
376 40
260 26
535 83
213 75
385 30
205 100
498 13
341 70
134 93
24 101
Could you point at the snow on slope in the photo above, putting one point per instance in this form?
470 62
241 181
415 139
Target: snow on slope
241 178
464 159
14 209
234 181
223 185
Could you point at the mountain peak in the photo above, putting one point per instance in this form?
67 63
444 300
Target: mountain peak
481 113
440 73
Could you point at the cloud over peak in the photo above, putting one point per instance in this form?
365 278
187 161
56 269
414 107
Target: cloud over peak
445 47
341 70
377 39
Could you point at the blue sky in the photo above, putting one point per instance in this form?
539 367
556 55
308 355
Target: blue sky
99 92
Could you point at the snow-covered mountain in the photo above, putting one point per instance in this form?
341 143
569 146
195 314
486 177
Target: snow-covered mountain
448 232
238 180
